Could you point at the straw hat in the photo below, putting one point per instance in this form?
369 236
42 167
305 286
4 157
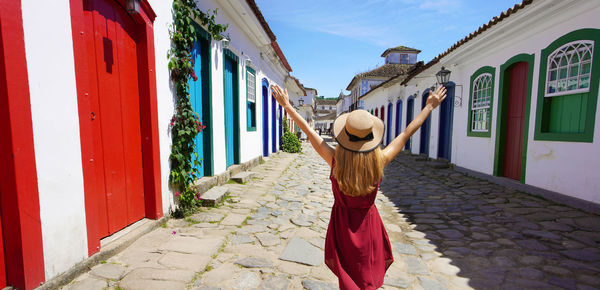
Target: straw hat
358 131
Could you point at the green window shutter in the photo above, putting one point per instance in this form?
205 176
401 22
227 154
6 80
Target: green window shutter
250 99
566 106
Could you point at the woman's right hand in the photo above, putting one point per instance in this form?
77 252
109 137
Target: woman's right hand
281 96
436 97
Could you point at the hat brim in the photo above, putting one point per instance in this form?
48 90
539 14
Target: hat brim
343 139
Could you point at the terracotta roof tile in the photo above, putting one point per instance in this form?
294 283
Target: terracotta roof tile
471 35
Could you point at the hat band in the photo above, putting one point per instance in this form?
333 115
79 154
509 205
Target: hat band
354 138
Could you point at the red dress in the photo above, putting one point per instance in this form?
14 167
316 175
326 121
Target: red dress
357 247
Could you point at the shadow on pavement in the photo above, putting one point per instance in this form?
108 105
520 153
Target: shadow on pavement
498 237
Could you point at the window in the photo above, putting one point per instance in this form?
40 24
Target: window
480 102
301 102
251 98
568 88
404 59
569 68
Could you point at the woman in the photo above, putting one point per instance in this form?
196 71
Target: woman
357 248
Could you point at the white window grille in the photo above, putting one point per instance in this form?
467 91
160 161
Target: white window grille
570 68
481 100
251 86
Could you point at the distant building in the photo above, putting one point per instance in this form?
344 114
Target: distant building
343 103
325 113
398 61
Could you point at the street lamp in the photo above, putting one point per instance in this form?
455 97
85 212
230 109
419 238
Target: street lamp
133 6
443 76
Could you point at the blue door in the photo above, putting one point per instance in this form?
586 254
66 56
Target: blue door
200 100
231 111
398 117
273 127
280 127
446 119
388 132
265 117
410 108
424 146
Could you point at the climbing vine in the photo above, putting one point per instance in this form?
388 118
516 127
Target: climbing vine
186 124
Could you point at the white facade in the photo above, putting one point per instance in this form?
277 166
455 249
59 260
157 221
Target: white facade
563 167
55 116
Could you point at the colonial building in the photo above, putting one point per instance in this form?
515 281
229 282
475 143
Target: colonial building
398 61
86 107
343 103
522 99
325 113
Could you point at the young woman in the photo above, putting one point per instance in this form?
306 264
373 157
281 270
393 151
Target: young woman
357 248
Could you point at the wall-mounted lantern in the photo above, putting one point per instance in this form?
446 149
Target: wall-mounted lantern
248 62
443 76
225 42
132 6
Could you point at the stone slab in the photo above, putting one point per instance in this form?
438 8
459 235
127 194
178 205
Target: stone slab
267 239
139 284
243 177
87 284
108 271
234 219
196 263
253 262
214 195
301 251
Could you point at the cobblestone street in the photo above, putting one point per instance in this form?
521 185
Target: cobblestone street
448 231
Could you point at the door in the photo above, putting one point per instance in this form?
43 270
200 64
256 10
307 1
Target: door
410 107
426 127
515 120
265 117
199 97
115 103
280 126
2 261
388 131
273 127
446 119
398 117
231 111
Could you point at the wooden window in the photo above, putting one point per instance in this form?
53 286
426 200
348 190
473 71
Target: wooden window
568 88
404 59
251 98
480 104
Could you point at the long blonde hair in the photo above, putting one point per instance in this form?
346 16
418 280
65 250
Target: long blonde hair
358 173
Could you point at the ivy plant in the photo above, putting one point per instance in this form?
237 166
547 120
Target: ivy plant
186 124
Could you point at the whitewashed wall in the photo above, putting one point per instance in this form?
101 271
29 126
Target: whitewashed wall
243 47
563 167
55 119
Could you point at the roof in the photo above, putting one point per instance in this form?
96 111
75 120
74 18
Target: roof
269 32
311 89
400 48
299 84
480 30
325 101
386 70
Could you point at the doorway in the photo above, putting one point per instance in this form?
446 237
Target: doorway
426 127
446 120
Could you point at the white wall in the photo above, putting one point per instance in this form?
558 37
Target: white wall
564 167
50 65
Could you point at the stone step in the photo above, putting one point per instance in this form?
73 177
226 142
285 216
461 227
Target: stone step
242 177
214 195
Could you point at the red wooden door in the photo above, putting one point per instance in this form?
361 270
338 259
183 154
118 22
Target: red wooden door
2 262
114 97
515 119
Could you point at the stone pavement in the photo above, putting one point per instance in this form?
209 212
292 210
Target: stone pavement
448 231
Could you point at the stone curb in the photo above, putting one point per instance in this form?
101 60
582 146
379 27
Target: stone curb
557 197
205 183
105 253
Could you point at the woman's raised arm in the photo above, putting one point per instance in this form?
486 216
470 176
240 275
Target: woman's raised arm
316 141
398 143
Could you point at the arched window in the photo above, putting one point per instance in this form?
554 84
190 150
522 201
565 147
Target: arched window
569 68
480 104
481 100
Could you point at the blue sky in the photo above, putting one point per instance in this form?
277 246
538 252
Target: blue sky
328 42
